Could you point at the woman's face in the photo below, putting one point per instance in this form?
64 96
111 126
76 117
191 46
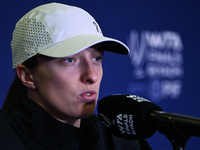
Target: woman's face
68 88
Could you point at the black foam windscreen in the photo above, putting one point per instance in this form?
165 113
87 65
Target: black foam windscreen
125 116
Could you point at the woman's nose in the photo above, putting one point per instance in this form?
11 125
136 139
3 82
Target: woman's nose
89 75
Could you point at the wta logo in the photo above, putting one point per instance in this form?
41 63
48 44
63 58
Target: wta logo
123 123
157 59
105 121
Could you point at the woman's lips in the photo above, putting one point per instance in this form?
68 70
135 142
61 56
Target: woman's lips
88 96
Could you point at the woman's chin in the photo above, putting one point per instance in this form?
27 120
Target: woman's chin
88 111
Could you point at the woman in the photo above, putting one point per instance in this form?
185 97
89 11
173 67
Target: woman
57 52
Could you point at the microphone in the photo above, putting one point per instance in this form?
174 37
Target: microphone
133 117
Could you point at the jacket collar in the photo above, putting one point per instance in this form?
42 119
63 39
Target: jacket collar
44 129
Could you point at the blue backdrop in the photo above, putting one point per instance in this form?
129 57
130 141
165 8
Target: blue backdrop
164 63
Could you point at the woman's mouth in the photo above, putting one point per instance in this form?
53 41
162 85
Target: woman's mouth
88 96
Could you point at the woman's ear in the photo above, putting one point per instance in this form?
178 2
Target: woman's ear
25 76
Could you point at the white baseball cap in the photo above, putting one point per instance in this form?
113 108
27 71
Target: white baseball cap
58 30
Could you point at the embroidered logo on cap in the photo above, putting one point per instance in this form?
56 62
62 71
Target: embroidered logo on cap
97 27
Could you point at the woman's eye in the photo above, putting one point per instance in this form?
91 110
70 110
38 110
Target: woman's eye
98 59
69 60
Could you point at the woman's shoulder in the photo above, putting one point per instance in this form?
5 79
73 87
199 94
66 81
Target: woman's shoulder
8 136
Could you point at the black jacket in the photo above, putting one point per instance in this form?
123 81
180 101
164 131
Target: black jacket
30 127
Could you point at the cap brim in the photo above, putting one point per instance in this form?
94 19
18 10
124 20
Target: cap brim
78 43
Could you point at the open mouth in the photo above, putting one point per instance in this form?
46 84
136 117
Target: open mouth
88 96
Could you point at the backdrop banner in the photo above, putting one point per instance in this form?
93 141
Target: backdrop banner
164 61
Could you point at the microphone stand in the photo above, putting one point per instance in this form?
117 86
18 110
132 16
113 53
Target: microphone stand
177 139
166 125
